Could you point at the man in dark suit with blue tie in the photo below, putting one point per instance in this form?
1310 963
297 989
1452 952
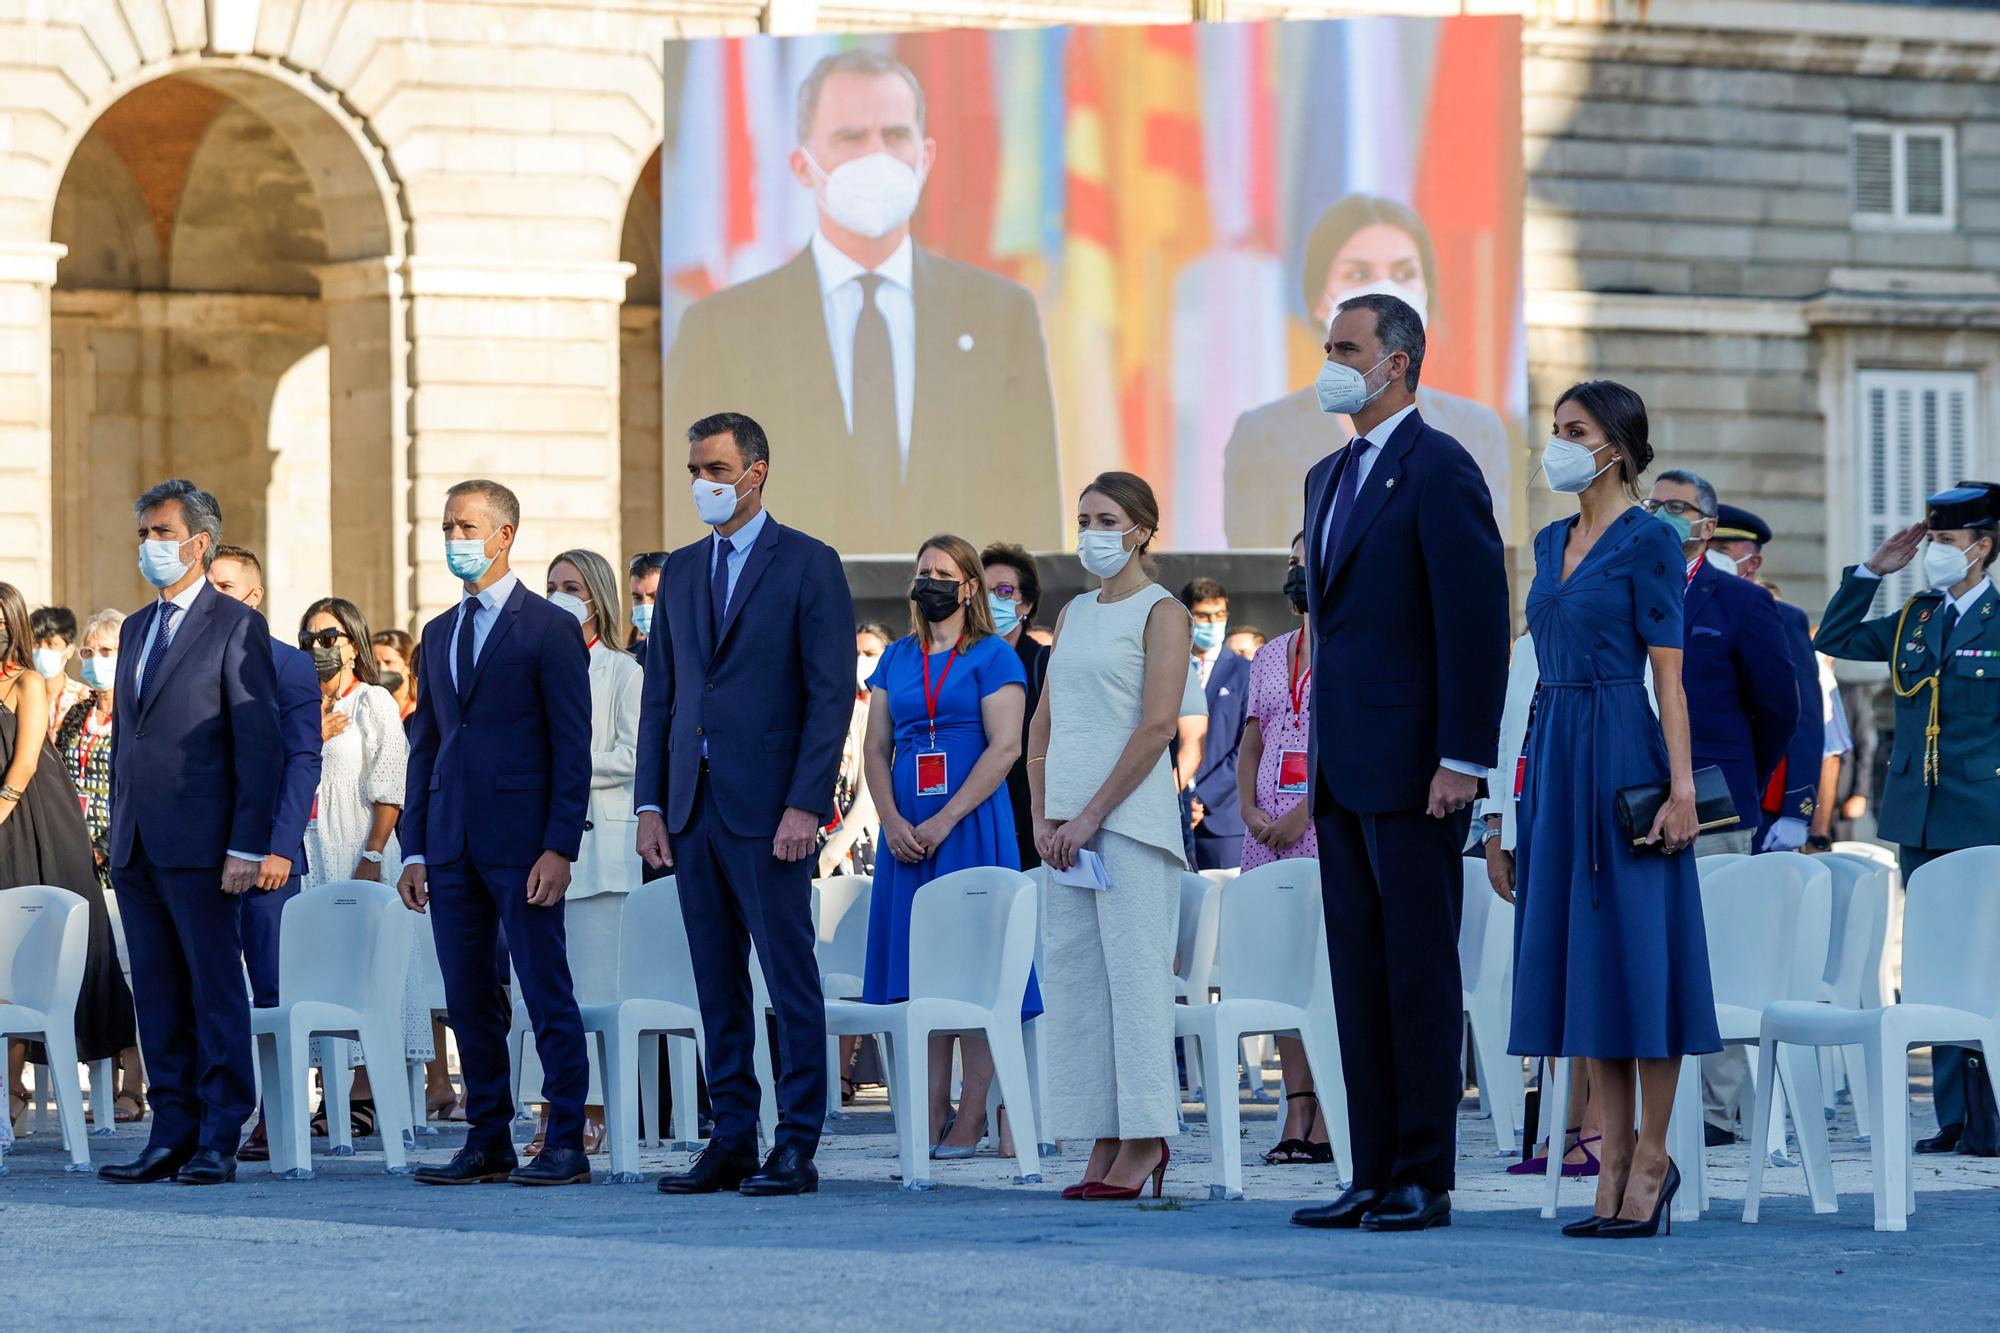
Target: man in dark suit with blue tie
1225 687
493 815
238 574
195 761
1407 597
749 692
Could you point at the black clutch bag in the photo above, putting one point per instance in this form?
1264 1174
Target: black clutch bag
1639 806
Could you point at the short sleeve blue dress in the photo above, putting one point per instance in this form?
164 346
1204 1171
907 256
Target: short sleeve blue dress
1610 954
983 838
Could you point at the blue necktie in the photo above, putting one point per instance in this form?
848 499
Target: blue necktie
158 652
718 588
1343 495
464 652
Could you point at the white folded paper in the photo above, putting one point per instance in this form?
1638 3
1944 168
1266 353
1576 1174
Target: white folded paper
1086 873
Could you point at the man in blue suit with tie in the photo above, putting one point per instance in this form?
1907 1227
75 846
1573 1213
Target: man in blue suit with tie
238 574
749 692
1225 687
493 815
195 761
1407 598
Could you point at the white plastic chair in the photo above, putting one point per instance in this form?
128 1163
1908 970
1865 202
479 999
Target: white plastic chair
840 914
521 1031
1705 865
972 941
44 934
1273 953
343 952
1891 978
1486 978
430 983
1853 969
656 998
1951 995
1194 957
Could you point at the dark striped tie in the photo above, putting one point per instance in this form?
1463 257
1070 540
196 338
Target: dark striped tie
158 652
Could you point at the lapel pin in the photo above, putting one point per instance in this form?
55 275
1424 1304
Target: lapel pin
964 342
1923 616
1389 485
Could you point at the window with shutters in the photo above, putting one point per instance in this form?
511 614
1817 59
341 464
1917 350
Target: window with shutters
1905 177
1917 438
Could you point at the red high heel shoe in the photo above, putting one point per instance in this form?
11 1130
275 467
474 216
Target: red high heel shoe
1076 1191
1099 1190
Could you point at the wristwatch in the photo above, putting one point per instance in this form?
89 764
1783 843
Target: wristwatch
1821 841
372 858
1491 832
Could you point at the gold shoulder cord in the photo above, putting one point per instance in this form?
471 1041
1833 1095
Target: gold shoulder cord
1896 683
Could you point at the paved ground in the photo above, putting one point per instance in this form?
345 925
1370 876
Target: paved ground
356 1248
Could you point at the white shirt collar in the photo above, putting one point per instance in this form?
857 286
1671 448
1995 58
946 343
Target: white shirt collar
836 268
184 599
496 596
1971 599
1385 429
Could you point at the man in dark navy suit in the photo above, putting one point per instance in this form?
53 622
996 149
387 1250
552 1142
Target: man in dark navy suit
1225 687
195 762
1743 706
237 573
1791 797
1407 595
749 692
493 813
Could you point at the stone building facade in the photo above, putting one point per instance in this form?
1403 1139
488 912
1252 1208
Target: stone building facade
331 257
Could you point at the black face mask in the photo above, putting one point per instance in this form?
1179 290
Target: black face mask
1295 588
326 661
936 599
389 680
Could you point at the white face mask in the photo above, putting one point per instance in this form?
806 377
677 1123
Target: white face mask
49 662
1344 389
1409 296
715 501
1567 466
1722 560
1945 567
1103 553
573 604
870 196
864 667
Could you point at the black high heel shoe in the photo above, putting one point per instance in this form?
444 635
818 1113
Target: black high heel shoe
1586 1226
1622 1229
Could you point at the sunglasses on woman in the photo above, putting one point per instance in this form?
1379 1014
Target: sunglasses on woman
325 638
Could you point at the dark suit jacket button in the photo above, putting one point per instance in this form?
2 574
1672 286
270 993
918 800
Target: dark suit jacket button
710 687
588 826
141 736
697 731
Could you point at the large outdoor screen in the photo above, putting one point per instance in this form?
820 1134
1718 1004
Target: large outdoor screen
955 275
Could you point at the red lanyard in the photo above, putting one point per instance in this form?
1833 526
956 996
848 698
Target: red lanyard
1300 683
352 686
1695 568
594 641
930 698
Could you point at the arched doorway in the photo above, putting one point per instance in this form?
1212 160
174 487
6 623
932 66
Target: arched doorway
643 435
228 311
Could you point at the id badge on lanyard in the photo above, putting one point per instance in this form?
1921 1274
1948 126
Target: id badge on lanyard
933 770
1293 777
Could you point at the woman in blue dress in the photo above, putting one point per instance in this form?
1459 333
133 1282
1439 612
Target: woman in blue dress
944 729
1611 957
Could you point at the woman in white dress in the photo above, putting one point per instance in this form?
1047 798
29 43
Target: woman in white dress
1100 781
607 864
352 832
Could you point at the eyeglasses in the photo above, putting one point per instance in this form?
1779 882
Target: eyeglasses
1678 508
326 638
1006 592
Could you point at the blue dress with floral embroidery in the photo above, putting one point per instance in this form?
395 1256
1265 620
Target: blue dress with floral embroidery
1611 957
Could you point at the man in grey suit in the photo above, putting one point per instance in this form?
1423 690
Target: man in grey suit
914 388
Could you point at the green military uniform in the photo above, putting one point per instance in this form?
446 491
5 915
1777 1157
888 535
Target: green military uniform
1942 792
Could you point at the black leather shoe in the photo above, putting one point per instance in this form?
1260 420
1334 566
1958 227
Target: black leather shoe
1713 1136
786 1171
1342 1214
469 1166
152 1165
554 1166
1945 1140
208 1167
1409 1208
714 1170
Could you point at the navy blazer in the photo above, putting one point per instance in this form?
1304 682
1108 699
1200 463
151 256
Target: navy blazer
1743 703
1410 623
505 776
298 730
771 700
1228 694
195 762
1798 790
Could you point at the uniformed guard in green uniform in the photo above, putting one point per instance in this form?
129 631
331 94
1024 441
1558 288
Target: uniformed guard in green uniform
1943 651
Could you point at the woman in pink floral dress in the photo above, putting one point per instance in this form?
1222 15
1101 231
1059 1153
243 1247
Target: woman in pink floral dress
1271 781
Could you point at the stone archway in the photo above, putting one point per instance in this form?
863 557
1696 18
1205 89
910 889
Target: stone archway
229 309
642 434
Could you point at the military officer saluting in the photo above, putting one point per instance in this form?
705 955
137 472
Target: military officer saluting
1943 651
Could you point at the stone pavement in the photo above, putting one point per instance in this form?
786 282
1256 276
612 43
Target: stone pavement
356 1247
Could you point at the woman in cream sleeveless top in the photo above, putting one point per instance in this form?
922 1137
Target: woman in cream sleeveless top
1100 780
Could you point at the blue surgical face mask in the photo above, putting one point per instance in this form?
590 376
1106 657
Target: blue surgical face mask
101 671
467 560
1006 615
160 561
642 619
1207 635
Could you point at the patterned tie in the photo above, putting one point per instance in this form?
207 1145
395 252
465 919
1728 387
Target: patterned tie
158 652
718 589
1343 496
464 652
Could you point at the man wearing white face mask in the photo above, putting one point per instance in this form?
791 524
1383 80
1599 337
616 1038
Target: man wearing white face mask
914 389
1943 651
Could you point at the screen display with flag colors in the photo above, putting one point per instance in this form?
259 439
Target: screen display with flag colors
955 275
